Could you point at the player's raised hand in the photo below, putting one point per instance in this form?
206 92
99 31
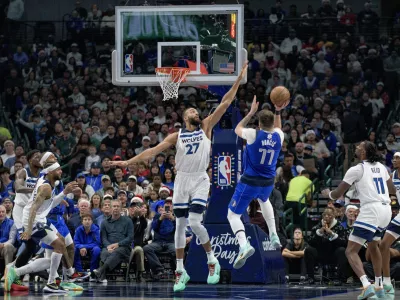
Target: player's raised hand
118 163
243 72
70 187
254 106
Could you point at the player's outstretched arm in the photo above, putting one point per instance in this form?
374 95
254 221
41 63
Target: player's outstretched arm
243 123
277 120
44 192
338 192
227 100
169 141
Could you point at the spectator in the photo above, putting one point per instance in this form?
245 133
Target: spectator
163 226
288 43
106 210
92 158
87 243
7 183
321 65
329 137
395 131
81 180
293 255
327 245
117 237
96 205
20 57
8 234
94 179
9 151
289 162
137 215
145 145
168 179
133 186
351 216
76 220
391 144
392 63
19 151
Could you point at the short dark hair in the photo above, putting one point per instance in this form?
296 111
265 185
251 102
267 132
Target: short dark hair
87 215
31 154
4 170
266 119
288 155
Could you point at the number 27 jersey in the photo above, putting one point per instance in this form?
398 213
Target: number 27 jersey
192 151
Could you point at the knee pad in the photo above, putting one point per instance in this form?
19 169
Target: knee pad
180 235
198 229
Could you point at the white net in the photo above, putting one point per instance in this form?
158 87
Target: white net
170 79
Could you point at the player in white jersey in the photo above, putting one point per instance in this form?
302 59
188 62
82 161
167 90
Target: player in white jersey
192 183
373 185
36 227
392 231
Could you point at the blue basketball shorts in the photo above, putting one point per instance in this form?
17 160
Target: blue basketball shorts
394 227
245 193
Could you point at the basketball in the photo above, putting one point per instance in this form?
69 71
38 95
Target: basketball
280 96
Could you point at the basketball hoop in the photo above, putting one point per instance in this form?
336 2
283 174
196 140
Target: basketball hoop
170 79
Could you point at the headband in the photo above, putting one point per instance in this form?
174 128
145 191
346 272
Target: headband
45 157
53 167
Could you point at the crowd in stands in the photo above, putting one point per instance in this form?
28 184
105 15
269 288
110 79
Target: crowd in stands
59 92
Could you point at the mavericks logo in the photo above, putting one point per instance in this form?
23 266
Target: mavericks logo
225 246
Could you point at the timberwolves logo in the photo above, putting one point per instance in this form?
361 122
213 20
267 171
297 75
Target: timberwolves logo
224 170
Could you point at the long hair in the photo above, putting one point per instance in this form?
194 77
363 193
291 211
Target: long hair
371 152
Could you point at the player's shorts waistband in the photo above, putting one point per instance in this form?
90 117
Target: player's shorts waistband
191 174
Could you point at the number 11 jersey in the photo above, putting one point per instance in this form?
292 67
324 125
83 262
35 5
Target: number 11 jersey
192 151
261 154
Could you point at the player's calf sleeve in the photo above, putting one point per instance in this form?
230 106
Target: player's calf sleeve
180 235
198 229
237 227
268 214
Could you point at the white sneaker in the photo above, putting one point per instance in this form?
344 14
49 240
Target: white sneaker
244 254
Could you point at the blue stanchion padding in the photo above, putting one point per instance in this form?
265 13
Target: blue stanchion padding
265 266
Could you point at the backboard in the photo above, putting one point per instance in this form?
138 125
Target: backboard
208 39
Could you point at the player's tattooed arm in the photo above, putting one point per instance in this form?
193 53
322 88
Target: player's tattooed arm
19 184
243 123
169 141
226 101
44 193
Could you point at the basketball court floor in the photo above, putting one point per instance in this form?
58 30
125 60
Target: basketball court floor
161 291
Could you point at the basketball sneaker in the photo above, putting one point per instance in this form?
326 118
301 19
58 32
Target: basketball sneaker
380 293
275 242
9 277
214 270
389 289
54 288
181 278
18 286
244 254
367 293
70 286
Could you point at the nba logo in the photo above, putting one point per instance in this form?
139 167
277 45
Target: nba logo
128 63
224 171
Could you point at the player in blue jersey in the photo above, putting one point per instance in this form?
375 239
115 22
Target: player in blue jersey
257 181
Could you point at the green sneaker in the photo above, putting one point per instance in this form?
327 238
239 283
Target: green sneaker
9 277
181 278
275 242
213 272
368 292
244 254
70 286
389 289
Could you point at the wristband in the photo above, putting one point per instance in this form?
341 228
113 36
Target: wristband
330 196
277 113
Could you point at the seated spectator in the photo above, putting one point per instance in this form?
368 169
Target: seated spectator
299 186
163 226
94 178
96 205
293 255
321 65
137 215
106 210
92 158
8 204
133 186
288 43
351 216
76 219
106 184
327 246
9 151
122 197
81 180
87 243
289 161
8 234
117 237
329 137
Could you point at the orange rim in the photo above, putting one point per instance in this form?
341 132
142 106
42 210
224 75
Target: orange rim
177 74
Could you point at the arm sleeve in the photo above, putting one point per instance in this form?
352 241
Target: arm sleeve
281 134
354 174
249 134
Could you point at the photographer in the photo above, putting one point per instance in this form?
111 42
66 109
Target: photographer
164 230
139 221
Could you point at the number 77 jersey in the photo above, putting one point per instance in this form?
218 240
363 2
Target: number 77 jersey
262 152
192 151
